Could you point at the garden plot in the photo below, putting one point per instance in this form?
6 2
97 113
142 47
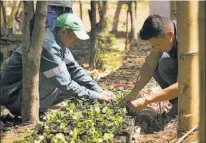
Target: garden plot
84 121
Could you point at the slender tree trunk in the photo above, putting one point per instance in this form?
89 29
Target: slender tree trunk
173 10
126 35
3 13
80 7
102 13
116 16
188 61
93 39
202 47
132 12
32 47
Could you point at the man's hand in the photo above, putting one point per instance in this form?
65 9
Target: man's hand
129 97
109 93
107 96
136 105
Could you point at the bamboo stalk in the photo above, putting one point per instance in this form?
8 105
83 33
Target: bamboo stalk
201 22
188 62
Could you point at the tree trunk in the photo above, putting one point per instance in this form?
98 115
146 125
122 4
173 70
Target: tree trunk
132 12
102 13
3 13
188 71
202 25
32 47
116 16
173 10
80 7
126 35
93 39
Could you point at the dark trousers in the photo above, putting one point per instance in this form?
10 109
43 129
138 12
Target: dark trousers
166 73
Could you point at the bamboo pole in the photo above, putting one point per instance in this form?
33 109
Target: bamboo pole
188 61
201 22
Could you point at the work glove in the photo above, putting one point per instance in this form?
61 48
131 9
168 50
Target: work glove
136 105
130 97
107 96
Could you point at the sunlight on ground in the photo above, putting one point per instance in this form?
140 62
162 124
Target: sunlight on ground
142 13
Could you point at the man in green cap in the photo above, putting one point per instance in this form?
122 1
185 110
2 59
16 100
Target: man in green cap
60 76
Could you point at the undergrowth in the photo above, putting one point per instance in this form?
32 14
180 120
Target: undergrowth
106 48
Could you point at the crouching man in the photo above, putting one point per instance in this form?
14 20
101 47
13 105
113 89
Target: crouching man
161 64
61 77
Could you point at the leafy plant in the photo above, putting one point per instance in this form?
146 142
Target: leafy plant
81 121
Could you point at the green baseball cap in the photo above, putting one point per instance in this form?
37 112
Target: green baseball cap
73 23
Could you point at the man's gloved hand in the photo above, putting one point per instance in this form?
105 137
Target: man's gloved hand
136 105
107 96
130 97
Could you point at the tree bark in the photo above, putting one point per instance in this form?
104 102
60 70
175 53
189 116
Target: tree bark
102 13
116 16
173 10
80 7
3 13
93 39
188 61
32 46
202 47
126 35
132 12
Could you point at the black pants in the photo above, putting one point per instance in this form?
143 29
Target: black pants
166 73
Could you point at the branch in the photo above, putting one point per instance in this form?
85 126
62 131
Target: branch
187 134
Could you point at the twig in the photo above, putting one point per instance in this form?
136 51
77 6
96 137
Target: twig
185 135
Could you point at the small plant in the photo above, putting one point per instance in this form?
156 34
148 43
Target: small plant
81 121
